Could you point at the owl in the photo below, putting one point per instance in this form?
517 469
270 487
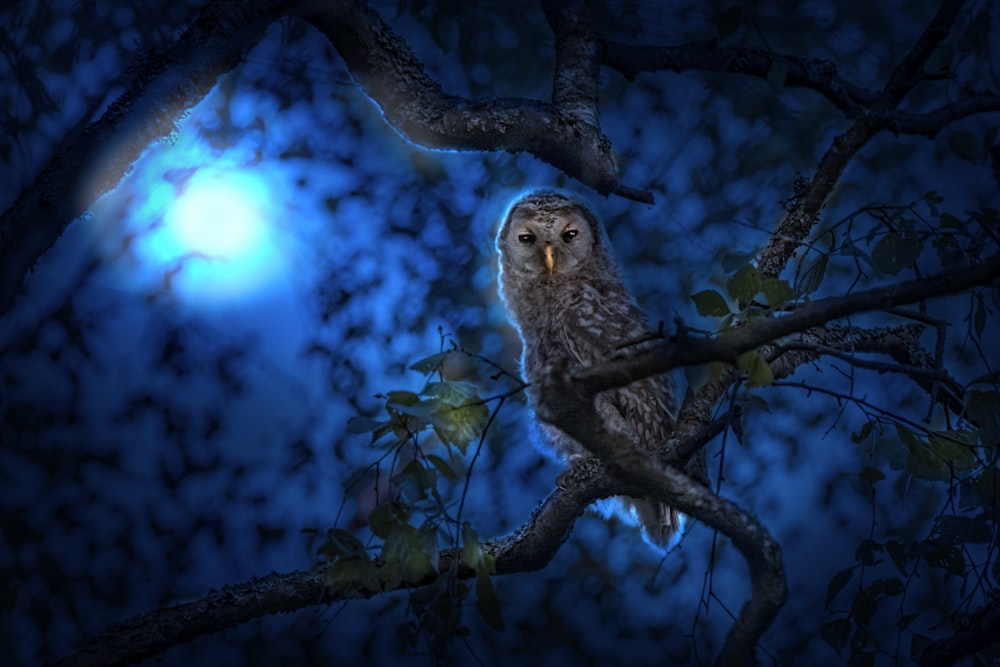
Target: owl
565 293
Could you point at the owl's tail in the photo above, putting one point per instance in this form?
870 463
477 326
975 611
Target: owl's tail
662 526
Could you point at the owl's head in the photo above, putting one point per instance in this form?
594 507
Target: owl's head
548 233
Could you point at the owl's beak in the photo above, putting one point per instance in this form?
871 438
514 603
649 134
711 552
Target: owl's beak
550 261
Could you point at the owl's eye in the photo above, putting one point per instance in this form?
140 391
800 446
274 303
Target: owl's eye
526 238
569 235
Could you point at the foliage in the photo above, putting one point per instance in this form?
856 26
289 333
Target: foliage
426 436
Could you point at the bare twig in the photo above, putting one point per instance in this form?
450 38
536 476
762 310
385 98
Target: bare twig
802 216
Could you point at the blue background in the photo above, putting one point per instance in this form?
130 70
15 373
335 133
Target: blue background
162 438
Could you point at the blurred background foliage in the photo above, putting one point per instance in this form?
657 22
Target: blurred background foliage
158 442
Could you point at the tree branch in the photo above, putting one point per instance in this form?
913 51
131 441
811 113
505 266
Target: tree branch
530 547
568 405
931 122
688 351
979 631
814 74
565 133
166 84
801 217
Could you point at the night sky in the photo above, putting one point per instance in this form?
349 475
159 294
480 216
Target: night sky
179 372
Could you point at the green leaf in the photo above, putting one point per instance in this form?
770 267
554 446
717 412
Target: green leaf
777 73
459 416
402 398
950 221
710 303
386 517
895 252
871 475
918 645
950 253
812 276
861 658
777 292
955 448
946 558
430 364
837 584
363 424
966 145
863 434
983 410
921 461
354 577
345 544
744 284
759 373
866 552
836 632
416 482
863 607
979 317
729 21
892 586
443 467
898 552
413 551
487 602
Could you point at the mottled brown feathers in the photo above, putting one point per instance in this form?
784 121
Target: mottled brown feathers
566 295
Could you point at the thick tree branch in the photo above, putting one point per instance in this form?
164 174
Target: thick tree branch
802 216
931 122
166 84
563 133
568 405
530 547
688 351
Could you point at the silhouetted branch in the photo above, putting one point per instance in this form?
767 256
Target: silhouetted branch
688 351
530 547
801 217
166 84
568 404
814 74
980 630
564 132
932 122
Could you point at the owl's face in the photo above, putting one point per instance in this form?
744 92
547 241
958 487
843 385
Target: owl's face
547 236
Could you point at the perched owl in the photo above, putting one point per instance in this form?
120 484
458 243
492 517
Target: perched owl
565 293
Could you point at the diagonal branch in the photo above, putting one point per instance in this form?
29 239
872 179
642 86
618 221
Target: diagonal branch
568 405
530 547
688 351
801 217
